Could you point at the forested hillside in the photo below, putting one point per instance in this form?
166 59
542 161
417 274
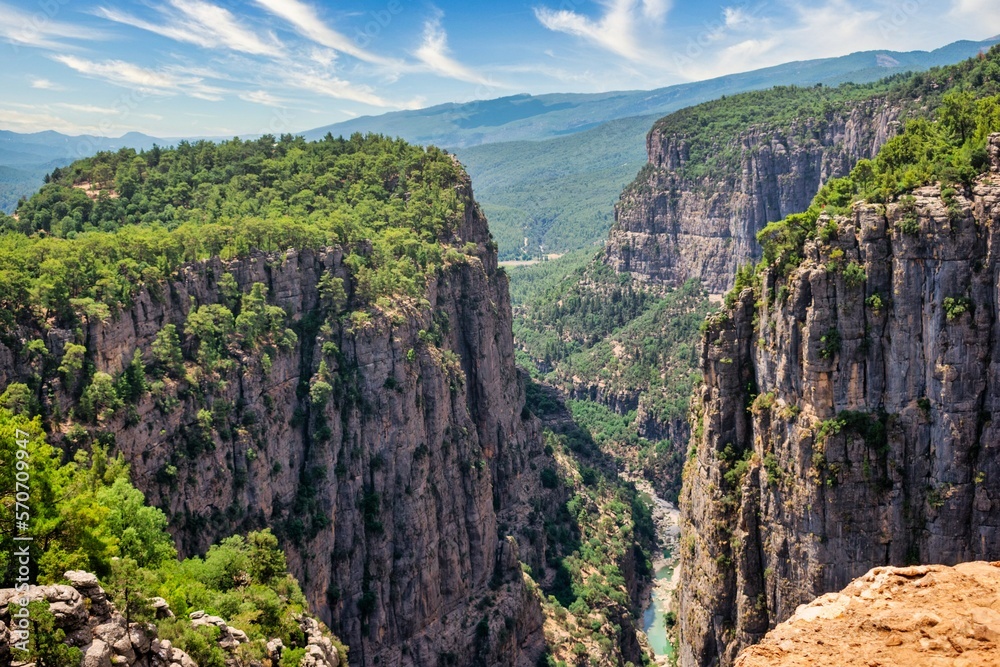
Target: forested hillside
627 338
107 226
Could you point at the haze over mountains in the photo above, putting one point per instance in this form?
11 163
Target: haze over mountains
534 117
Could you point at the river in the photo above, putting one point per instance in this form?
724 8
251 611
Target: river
661 599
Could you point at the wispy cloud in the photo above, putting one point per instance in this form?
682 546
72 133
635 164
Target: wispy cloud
90 109
39 29
44 84
171 80
983 12
308 23
332 86
615 31
434 53
37 119
263 97
202 24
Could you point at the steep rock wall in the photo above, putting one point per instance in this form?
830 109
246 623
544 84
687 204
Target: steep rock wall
846 421
670 227
387 497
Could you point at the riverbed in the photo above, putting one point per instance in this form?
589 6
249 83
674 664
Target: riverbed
661 598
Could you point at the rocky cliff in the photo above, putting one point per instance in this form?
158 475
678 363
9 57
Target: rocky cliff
848 417
895 617
674 222
385 487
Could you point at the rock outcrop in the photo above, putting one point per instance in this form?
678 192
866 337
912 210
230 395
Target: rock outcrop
386 494
105 637
893 617
671 226
849 418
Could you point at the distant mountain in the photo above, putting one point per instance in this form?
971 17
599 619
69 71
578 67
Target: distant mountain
557 195
41 147
534 117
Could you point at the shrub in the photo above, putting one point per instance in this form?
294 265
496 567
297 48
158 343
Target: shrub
955 307
19 399
829 344
100 399
320 392
875 303
72 361
854 275
166 349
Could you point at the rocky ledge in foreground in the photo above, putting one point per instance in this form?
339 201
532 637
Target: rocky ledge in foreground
106 638
928 615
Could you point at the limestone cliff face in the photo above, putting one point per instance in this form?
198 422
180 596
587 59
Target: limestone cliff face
387 495
847 420
670 226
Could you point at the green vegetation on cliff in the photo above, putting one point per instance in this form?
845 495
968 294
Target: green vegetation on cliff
107 226
709 129
86 515
951 150
598 541
627 351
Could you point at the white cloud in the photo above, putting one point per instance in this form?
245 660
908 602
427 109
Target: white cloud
748 38
983 12
39 119
44 84
735 17
616 31
332 86
434 53
656 10
308 23
90 109
38 29
200 23
263 97
170 80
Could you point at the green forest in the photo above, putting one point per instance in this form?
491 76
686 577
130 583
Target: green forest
105 227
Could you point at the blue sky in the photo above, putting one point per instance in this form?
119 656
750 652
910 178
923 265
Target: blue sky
224 67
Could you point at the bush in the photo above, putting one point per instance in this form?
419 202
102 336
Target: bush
829 344
19 398
166 351
854 275
72 361
955 307
875 303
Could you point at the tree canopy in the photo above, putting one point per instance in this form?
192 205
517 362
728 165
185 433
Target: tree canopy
106 226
